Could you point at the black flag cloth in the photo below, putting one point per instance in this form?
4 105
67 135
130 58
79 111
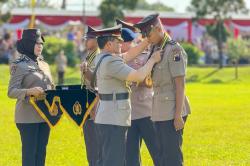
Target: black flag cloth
73 100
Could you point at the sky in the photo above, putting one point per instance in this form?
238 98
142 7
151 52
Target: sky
178 5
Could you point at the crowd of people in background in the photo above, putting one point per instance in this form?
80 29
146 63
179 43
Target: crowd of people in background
8 51
7 48
8 39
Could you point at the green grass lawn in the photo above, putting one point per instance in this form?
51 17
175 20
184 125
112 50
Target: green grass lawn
216 134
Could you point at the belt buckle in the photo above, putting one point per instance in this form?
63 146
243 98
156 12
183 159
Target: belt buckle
114 96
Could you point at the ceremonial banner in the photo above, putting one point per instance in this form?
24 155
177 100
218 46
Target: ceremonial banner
73 100
77 102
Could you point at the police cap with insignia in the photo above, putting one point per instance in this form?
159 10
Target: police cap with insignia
126 25
89 34
110 32
147 23
33 35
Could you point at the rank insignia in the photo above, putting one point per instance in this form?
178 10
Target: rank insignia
13 69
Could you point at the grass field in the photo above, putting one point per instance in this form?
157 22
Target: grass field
216 134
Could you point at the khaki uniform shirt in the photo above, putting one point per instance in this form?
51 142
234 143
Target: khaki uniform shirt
111 76
173 64
141 97
25 74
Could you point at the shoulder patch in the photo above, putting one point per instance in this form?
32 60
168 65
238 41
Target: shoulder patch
176 54
21 59
13 69
177 57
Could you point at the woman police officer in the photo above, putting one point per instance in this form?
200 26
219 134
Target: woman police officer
30 76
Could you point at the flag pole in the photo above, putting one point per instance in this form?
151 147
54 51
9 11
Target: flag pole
32 19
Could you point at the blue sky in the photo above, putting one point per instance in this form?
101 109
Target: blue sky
178 5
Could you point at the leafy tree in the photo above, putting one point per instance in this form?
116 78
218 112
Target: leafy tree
158 6
237 49
27 3
111 9
193 52
4 16
53 46
63 6
219 10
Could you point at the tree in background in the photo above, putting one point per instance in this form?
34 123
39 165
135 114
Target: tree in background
53 46
158 6
111 9
237 49
4 11
26 3
193 52
219 10
63 6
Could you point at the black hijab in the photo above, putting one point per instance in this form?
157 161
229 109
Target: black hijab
26 47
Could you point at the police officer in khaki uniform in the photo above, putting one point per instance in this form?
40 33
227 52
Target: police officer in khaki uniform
114 112
142 126
61 63
170 105
90 133
30 76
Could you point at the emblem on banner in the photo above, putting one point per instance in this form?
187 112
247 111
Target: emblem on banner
77 108
54 111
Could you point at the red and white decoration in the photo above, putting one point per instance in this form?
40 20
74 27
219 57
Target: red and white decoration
179 26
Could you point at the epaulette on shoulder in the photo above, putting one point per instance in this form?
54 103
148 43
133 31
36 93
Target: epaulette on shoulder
22 58
17 61
172 42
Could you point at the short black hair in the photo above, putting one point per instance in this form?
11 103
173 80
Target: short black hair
102 40
6 36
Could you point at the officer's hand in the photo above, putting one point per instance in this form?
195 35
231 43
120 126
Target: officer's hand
178 123
84 67
36 91
157 56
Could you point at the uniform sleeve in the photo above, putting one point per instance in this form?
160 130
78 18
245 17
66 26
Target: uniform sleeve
177 61
14 89
117 68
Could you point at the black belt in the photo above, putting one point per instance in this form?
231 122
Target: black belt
110 97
